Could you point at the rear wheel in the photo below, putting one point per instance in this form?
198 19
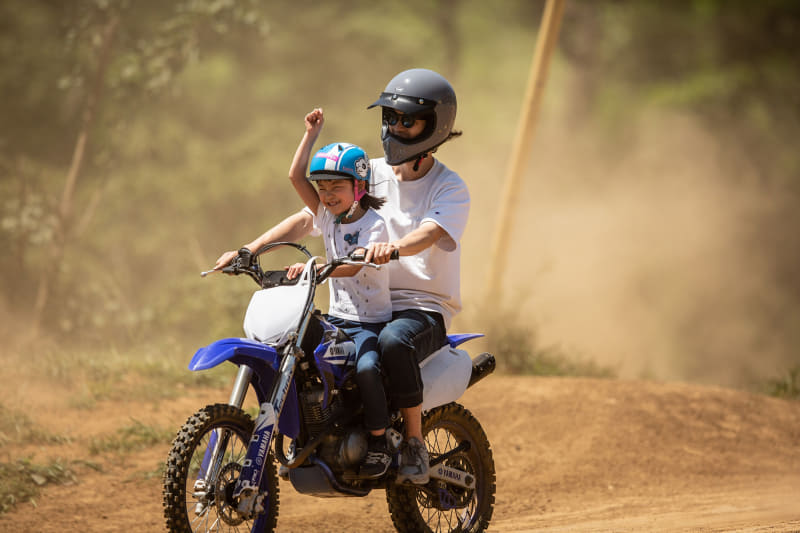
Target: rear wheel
439 506
197 495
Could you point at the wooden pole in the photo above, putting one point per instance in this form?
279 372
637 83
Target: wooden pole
545 43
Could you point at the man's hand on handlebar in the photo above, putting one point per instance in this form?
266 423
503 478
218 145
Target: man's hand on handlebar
381 253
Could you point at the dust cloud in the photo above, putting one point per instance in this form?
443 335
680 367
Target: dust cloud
651 260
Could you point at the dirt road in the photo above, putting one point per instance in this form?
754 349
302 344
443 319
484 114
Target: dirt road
571 455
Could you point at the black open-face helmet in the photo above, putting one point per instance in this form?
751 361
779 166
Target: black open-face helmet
419 92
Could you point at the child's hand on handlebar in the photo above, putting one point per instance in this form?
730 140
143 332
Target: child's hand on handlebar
295 270
243 257
225 259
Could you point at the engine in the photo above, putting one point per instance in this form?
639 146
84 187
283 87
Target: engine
345 447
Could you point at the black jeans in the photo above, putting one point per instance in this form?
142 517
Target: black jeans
406 340
368 370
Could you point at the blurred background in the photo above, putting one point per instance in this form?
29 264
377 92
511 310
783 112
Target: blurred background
656 233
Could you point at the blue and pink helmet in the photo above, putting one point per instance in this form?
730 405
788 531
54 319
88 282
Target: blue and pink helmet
338 161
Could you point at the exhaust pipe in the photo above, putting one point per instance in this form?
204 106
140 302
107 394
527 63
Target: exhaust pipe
482 366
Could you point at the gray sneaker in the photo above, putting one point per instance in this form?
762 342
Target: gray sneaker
414 463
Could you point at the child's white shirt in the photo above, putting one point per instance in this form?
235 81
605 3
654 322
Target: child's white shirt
363 297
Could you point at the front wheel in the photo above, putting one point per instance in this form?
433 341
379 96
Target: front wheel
440 507
197 491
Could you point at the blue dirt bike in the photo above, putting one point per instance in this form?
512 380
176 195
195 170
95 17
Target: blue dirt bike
221 473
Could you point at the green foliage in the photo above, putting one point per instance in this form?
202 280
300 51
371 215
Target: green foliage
517 350
16 427
157 472
201 108
140 373
733 63
195 92
787 386
130 438
22 480
98 64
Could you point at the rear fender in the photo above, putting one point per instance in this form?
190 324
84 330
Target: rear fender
264 360
455 340
445 376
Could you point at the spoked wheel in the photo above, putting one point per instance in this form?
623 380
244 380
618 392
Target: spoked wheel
440 506
198 491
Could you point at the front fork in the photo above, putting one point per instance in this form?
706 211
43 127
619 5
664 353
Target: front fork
239 391
218 440
246 493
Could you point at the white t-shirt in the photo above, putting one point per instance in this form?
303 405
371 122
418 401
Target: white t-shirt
430 280
365 296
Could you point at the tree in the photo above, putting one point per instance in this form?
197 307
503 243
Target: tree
734 63
95 51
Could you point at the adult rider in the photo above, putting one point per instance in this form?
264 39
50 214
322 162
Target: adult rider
426 211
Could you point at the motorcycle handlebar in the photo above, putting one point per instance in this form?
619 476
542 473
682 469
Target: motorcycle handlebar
244 263
355 258
358 255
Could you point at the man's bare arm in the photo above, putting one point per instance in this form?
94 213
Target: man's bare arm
425 236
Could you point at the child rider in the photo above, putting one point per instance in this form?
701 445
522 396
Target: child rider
359 297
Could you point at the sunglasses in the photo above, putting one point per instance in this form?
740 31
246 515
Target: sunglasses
391 117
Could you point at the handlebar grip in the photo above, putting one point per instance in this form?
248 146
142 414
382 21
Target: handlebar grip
359 256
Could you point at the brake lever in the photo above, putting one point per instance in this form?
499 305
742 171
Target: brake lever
238 264
231 268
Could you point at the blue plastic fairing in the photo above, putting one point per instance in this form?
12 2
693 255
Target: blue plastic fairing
455 340
223 349
264 361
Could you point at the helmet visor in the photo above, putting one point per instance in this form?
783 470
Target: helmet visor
407 104
334 175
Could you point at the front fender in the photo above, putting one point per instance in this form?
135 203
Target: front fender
264 361
225 349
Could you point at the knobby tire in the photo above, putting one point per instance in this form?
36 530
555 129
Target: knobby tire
414 510
188 449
